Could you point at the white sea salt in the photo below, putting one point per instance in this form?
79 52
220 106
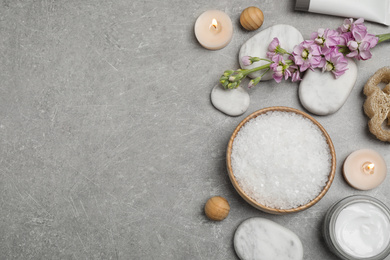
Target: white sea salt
281 159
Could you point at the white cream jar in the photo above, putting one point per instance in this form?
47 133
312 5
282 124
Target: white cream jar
358 227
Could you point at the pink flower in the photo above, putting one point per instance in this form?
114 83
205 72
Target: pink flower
345 38
273 47
349 24
335 62
326 38
280 68
274 44
246 60
361 43
307 55
295 74
357 39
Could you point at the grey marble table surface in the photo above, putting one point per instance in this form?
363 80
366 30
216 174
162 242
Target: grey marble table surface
110 146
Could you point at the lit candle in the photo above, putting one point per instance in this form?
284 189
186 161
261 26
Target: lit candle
364 169
214 29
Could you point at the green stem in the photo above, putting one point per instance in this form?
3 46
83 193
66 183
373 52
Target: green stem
280 50
266 60
383 37
266 66
265 72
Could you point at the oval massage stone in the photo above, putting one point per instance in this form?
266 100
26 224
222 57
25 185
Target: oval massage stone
233 102
322 94
257 46
263 239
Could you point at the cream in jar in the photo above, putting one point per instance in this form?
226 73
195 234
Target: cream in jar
362 229
358 227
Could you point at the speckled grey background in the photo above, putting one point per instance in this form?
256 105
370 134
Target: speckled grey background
109 143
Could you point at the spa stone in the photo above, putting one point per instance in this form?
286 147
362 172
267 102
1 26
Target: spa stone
233 102
322 94
257 46
263 239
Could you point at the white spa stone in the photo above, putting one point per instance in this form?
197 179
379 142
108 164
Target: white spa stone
257 46
263 239
322 94
233 102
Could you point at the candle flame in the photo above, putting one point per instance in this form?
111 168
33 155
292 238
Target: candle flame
214 23
368 168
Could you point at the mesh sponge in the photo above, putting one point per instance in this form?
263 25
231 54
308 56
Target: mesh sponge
377 104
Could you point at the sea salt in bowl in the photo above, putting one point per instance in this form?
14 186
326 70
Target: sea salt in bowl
281 160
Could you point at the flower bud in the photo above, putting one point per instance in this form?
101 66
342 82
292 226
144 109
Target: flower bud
227 73
224 83
246 60
353 45
254 82
232 85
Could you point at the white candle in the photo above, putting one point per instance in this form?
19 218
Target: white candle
214 29
365 169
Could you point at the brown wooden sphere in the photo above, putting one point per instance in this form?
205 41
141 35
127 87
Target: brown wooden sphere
251 18
217 208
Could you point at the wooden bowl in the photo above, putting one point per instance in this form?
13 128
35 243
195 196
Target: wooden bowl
253 202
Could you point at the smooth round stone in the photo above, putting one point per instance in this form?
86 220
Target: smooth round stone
263 239
323 94
257 46
233 102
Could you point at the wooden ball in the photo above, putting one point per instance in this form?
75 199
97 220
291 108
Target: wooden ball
217 208
251 18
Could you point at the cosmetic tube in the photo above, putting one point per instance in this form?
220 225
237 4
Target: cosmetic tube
372 10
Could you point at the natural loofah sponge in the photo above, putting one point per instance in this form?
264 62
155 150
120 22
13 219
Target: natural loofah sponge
377 105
